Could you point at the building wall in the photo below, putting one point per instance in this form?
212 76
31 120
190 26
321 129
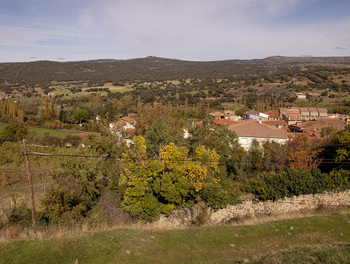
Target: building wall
246 141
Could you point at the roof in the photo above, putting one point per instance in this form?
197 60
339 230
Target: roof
313 110
304 110
128 119
322 110
225 121
275 123
321 123
293 111
273 113
216 114
255 129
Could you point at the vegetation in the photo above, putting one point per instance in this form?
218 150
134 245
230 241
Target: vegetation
96 179
319 239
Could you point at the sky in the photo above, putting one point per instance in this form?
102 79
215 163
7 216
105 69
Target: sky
198 30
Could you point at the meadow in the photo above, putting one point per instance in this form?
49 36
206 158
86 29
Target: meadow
321 238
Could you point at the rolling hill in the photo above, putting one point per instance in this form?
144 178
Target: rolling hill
153 68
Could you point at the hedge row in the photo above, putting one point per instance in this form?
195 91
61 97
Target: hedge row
293 182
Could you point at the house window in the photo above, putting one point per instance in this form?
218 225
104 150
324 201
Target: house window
244 141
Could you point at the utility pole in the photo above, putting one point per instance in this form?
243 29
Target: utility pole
30 181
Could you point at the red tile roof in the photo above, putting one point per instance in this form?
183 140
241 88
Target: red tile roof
255 129
128 119
273 113
275 123
321 123
225 121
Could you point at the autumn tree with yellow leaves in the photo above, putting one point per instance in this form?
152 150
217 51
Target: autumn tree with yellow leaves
175 180
48 109
11 111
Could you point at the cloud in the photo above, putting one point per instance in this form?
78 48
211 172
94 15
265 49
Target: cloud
183 29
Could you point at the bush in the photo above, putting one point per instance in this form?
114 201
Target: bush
20 213
74 140
14 132
50 140
273 186
214 196
62 204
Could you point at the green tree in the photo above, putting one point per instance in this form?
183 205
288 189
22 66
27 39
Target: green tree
163 131
341 146
14 132
80 115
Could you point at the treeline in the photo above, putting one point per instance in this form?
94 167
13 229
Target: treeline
162 171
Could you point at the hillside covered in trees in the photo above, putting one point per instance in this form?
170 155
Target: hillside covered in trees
153 68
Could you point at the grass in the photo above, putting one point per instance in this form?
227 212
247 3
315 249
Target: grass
53 132
112 88
304 240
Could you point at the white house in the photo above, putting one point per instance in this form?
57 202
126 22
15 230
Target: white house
250 130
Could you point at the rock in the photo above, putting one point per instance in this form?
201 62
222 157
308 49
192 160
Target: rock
246 197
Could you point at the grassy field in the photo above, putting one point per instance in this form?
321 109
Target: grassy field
112 88
53 132
324 238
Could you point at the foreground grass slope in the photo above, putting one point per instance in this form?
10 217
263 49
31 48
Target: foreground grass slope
313 239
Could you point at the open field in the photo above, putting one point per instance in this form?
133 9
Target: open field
53 132
323 238
85 91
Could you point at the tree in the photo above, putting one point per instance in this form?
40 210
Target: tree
14 132
301 152
48 108
95 103
80 115
175 181
163 131
341 144
223 140
10 110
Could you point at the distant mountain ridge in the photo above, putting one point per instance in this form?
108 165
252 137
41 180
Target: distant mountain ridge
152 68
284 61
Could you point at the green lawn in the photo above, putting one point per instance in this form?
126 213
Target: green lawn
318 239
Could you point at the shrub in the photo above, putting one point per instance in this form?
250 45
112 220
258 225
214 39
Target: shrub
14 132
50 140
74 140
214 196
58 202
273 186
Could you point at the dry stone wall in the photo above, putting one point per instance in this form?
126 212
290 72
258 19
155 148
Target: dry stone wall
189 217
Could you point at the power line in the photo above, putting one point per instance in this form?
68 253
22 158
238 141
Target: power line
246 161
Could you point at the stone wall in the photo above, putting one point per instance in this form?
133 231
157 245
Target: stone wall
297 204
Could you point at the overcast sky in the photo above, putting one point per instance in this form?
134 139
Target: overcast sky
69 30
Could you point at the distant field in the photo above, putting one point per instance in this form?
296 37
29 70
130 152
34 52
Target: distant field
112 88
319 239
53 132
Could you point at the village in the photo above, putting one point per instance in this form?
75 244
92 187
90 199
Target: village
274 125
